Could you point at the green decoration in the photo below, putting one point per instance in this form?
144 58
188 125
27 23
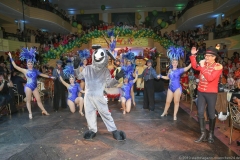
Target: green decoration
154 12
147 18
74 24
163 24
103 7
79 26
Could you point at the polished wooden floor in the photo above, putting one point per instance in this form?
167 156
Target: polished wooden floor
149 136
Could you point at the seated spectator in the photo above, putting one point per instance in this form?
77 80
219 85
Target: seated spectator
5 95
19 81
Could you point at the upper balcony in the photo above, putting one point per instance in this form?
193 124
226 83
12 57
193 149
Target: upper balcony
38 18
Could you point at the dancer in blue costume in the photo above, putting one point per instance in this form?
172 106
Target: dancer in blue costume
31 75
84 55
128 82
174 75
129 60
113 41
73 90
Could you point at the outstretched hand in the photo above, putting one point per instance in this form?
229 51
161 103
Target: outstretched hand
194 50
9 54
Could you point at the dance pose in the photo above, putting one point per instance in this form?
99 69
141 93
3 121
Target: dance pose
73 90
127 87
96 77
129 58
59 89
210 72
174 75
113 41
31 75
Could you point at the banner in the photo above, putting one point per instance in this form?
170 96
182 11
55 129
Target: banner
123 42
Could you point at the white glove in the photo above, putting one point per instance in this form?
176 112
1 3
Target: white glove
105 97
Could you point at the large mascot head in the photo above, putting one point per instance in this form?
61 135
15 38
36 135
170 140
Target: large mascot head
100 57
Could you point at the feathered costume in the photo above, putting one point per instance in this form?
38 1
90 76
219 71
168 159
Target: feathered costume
73 90
126 88
31 75
96 77
175 75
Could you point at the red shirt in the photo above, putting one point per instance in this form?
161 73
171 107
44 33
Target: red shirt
208 77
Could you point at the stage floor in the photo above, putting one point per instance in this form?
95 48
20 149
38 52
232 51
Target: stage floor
149 136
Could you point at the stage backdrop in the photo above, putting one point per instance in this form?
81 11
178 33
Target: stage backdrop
124 42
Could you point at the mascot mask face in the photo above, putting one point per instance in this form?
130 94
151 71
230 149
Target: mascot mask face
99 59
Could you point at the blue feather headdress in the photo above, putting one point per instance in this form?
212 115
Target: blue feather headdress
128 71
68 71
84 54
129 56
28 55
110 33
175 53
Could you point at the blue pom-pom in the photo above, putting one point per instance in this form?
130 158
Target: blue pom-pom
84 54
110 33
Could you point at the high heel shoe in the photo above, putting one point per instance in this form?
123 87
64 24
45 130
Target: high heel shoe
45 113
164 114
30 115
174 118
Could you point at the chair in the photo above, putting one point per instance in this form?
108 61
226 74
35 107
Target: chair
7 106
235 118
15 89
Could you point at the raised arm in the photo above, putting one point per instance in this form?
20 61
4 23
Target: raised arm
193 59
117 36
15 66
105 39
63 82
188 67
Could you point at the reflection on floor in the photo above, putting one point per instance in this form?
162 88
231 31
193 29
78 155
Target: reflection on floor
149 136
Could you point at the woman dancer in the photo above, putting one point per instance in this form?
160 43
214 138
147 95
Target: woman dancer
126 88
73 90
84 55
130 59
113 41
31 75
174 75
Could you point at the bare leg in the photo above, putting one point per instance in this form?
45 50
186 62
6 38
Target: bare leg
28 93
82 85
79 101
177 95
133 96
71 106
128 105
39 102
168 102
123 100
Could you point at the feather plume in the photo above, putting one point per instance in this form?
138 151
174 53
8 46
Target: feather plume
128 71
129 56
68 71
84 54
175 52
28 55
110 33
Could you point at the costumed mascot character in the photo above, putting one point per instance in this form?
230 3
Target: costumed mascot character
96 77
140 66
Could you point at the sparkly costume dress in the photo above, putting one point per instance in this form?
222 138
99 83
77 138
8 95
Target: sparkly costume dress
73 91
126 90
31 79
174 77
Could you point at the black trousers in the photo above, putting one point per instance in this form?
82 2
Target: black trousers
148 95
59 95
206 98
